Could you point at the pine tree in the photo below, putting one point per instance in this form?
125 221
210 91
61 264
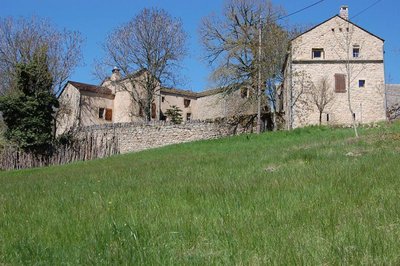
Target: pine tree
174 113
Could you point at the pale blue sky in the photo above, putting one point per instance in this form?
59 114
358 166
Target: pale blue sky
95 19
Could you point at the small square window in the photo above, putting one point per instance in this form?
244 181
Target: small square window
361 83
101 113
317 53
186 103
356 51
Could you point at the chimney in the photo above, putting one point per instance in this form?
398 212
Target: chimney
344 12
116 75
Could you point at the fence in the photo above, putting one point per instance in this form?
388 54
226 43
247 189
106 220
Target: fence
89 146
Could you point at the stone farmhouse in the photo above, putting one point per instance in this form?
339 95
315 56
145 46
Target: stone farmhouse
336 51
112 102
333 55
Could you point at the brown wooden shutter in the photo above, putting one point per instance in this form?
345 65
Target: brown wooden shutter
340 83
109 114
153 110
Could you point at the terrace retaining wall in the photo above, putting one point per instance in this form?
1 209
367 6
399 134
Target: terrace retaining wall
133 137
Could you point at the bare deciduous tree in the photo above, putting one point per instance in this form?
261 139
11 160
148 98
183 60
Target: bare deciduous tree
321 95
233 45
21 38
344 46
152 41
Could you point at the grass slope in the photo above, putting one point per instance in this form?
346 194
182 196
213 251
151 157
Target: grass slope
311 196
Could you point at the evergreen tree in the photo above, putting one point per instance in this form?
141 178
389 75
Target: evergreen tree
29 106
175 114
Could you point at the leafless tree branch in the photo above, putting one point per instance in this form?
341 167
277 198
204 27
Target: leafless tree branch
152 41
20 38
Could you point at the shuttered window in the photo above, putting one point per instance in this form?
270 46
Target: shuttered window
340 83
109 114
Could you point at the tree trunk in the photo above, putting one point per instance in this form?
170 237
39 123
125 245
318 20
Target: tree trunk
352 117
275 127
320 118
350 107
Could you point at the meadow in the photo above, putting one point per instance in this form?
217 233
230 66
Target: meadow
310 196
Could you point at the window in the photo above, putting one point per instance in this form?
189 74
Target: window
356 51
243 93
327 117
188 116
109 114
153 110
101 113
105 113
162 116
317 53
186 103
340 83
162 99
361 83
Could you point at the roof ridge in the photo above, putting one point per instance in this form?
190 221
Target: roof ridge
346 20
90 87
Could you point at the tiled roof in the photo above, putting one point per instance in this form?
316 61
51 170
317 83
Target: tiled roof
347 21
106 91
192 93
179 92
211 92
91 88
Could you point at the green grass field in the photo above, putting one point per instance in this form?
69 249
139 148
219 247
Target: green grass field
311 196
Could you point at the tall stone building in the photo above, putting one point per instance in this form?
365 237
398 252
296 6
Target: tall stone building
336 60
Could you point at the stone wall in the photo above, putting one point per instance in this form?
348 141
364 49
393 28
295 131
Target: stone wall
392 95
392 92
133 137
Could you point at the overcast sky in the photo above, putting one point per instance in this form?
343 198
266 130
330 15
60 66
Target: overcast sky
96 18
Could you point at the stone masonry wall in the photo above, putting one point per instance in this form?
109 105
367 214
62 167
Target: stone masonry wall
337 37
133 137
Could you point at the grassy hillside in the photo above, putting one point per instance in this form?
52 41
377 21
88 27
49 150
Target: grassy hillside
311 196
